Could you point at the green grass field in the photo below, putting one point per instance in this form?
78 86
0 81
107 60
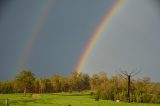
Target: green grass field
60 99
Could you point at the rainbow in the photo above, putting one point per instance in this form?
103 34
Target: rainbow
32 36
97 34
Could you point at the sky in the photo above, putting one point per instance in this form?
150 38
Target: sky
50 36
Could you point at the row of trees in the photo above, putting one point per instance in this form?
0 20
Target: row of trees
101 87
116 88
26 82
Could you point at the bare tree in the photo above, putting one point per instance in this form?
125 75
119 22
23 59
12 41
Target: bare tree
127 75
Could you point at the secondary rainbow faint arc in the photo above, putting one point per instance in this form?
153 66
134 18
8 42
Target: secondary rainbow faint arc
37 27
100 29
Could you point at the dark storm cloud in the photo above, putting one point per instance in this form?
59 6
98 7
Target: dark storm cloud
156 3
2 4
58 47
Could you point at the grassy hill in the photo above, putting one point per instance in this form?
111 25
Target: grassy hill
60 99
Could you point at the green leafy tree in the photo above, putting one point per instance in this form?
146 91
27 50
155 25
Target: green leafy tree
56 83
44 85
6 87
24 81
97 80
79 81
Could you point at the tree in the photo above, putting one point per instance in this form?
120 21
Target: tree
84 81
124 73
6 87
56 84
37 86
64 84
73 81
94 83
44 85
97 80
24 81
79 81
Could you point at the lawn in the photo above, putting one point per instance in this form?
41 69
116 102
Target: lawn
60 99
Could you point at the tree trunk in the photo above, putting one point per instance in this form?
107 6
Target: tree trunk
25 91
129 82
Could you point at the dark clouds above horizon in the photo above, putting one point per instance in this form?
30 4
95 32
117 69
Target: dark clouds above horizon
66 30
62 39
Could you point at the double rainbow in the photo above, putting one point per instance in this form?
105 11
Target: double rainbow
96 35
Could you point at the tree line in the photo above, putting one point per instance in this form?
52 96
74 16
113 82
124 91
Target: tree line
99 85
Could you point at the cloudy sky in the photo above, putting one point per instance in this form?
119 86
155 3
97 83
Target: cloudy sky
50 36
